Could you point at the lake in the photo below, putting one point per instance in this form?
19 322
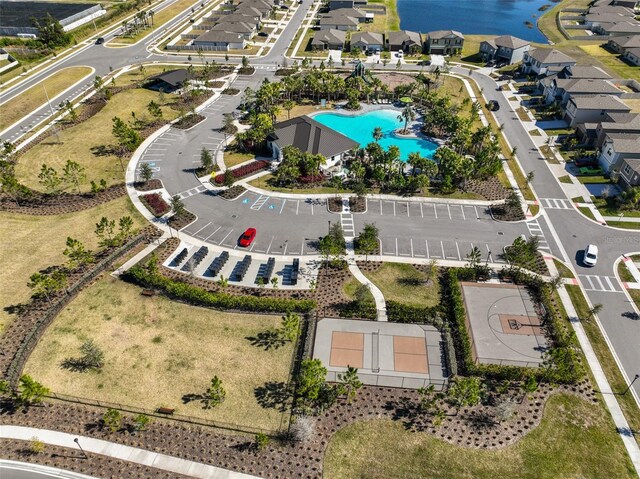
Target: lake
488 17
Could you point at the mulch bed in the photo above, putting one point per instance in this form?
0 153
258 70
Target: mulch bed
334 204
505 212
152 184
155 204
230 91
181 220
358 204
490 190
46 205
246 71
73 460
188 121
232 193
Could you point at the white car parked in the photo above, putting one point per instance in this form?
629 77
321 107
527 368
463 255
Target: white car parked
590 255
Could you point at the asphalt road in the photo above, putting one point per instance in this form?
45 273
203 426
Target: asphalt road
564 232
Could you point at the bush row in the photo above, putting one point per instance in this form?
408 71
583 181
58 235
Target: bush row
198 296
404 313
243 171
155 203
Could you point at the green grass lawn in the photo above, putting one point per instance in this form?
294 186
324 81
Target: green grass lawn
565 179
392 19
24 234
610 210
405 284
79 142
575 440
628 225
563 271
157 351
35 96
612 61
626 276
592 179
587 212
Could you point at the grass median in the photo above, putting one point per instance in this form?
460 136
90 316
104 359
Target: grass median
575 439
158 353
34 97
31 243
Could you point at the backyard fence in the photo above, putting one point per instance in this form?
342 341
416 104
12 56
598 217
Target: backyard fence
29 342
171 417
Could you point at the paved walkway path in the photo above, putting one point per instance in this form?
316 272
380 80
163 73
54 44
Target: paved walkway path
609 396
120 451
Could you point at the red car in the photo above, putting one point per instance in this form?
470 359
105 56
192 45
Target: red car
247 237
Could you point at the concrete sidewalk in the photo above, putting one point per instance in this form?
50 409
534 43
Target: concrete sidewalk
120 451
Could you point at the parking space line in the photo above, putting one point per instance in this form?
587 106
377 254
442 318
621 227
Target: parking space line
421 212
380 207
202 228
312 208
394 208
458 248
442 246
213 233
407 203
225 237
426 242
282 207
396 246
286 243
449 210
435 210
270 242
302 248
297 206
477 215
411 241
463 216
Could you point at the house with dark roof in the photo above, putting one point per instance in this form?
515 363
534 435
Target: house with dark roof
629 171
246 30
618 147
404 40
628 123
338 23
367 41
337 4
220 40
632 55
541 60
444 42
592 108
170 81
504 48
559 90
620 28
309 136
621 43
328 40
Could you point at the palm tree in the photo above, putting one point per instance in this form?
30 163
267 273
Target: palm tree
288 105
406 115
377 134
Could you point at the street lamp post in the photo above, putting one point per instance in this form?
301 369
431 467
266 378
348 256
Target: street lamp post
631 384
82 450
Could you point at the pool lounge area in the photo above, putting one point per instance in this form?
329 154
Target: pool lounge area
359 127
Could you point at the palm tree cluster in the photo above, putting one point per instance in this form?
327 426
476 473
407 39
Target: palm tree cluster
140 22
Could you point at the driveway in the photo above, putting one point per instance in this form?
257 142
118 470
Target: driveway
437 60
336 55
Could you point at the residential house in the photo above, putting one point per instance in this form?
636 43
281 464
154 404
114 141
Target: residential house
255 12
559 90
617 9
338 4
629 170
620 44
309 136
574 72
618 147
367 41
628 123
595 20
331 39
220 40
504 48
404 40
356 13
246 30
541 60
592 108
620 29
338 23
632 4
632 55
241 18
444 42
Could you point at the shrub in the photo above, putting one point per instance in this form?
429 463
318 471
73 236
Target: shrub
243 171
198 296
404 313
309 179
303 429
155 203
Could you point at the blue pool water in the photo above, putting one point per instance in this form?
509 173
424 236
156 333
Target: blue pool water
491 17
359 128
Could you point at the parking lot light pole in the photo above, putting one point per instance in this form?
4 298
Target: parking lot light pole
82 450
631 384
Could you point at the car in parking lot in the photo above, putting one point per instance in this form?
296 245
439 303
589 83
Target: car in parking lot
247 237
590 257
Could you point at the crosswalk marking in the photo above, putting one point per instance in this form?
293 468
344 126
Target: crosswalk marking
607 284
556 203
536 230
259 203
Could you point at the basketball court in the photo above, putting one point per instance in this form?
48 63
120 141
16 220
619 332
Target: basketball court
503 325
386 354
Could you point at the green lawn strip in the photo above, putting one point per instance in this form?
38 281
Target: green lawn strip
563 271
592 179
35 96
574 439
629 225
522 114
608 363
585 210
577 199
233 158
535 132
626 276
609 210
405 284
565 179
549 155
562 131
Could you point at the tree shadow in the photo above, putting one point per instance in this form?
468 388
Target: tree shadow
269 339
75 365
408 412
104 150
16 308
187 398
409 281
274 395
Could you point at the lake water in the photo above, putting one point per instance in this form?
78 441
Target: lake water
360 127
490 17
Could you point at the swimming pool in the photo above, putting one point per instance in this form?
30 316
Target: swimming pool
360 127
